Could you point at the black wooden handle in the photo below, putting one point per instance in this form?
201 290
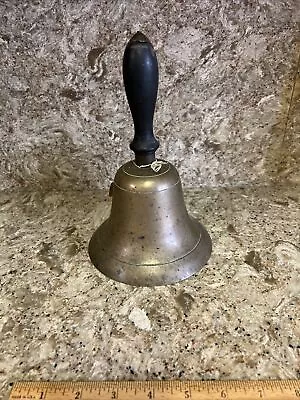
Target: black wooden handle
140 74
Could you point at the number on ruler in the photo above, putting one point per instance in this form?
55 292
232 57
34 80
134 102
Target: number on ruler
77 395
186 394
150 395
297 392
114 395
223 394
41 396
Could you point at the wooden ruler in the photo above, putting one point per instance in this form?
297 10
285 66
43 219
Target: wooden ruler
167 390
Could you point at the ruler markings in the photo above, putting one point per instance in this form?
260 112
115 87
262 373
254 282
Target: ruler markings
165 390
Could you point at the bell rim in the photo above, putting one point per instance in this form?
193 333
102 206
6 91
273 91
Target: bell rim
152 275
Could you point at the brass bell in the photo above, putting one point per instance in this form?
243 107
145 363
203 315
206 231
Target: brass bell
149 239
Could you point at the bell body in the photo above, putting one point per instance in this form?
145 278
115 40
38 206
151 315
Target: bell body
149 239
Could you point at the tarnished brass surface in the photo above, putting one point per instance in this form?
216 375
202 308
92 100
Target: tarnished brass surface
149 238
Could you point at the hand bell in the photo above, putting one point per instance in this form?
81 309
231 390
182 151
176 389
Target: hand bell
149 239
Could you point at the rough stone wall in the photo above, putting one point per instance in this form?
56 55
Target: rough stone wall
227 106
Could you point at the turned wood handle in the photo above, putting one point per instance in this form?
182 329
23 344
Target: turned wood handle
140 74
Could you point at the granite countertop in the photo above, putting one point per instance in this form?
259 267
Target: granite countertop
62 319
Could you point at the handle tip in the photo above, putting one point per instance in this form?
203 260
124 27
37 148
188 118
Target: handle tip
139 37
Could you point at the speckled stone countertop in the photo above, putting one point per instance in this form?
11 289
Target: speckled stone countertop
228 103
62 319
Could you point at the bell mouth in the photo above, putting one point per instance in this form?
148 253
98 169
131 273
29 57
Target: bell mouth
154 264
147 274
